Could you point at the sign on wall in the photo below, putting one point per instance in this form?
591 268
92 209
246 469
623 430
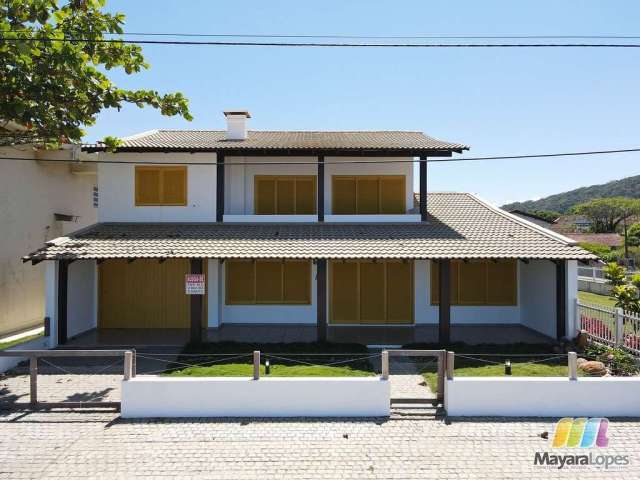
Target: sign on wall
194 283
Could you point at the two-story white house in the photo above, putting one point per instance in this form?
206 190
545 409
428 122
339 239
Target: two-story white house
300 236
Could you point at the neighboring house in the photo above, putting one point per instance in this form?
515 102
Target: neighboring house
301 235
611 240
42 196
543 222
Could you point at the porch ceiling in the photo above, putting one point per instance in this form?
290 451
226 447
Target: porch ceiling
460 226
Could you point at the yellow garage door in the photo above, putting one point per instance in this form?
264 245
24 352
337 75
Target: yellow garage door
143 294
371 293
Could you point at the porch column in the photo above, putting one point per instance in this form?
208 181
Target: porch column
320 199
219 187
561 299
444 306
63 290
196 305
321 299
423 188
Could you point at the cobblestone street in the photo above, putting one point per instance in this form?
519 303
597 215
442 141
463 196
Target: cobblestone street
98 444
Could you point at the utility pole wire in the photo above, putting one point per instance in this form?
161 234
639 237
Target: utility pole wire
341 162
322 44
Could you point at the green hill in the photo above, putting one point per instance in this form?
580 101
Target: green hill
562 202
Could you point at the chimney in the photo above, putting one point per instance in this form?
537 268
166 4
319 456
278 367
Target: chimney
237 124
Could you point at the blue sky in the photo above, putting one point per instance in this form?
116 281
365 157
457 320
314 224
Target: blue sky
498 101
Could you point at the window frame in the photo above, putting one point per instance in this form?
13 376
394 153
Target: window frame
379 178
161 169
283 302
294 178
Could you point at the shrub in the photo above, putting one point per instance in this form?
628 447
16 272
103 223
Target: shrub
619 361
615 274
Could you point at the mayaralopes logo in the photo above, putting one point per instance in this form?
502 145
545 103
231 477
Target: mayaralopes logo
580 433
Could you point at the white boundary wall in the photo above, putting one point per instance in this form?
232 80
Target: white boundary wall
543 397
153 396
7 363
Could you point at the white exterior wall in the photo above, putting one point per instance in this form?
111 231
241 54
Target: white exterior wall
30 193
543 397
573 325
427 313
538 296
153 396
287 314
116 187
82 297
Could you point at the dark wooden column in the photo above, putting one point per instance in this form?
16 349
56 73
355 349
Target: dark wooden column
321 298
320 188
220 187
63 291
423 188
561 299
197 302
444 306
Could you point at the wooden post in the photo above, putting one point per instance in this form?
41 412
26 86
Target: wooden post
321 299
320 193
444 306
573 365
33 380
219 187
63 283
256 365
134 363
196 305
384 358
423 188
442 360
128 365
451 356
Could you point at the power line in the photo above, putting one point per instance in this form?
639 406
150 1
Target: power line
365 37
322 44
342 162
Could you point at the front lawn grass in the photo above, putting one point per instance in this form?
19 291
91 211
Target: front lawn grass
595 299
220 359
518 369
13 343
246 370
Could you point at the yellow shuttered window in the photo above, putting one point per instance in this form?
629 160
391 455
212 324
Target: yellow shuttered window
368 195
371 292
284 195
160 185
268 282
493 283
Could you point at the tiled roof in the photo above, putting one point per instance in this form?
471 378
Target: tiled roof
460 226
204 140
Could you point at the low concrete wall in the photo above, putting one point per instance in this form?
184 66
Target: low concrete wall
7 363
593 286
153 396
543 397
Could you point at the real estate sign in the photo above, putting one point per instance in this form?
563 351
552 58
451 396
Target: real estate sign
194 283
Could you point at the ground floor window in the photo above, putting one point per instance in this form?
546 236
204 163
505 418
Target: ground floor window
251 282
371 292
479 282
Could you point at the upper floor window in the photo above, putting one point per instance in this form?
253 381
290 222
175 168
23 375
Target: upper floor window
161 185
285 195
368 194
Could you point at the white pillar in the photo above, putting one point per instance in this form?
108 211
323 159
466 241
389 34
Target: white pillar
572 298
51 300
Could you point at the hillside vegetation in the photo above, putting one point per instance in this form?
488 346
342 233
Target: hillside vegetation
562 202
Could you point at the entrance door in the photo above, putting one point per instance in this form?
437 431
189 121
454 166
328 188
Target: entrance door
143 294
371 292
